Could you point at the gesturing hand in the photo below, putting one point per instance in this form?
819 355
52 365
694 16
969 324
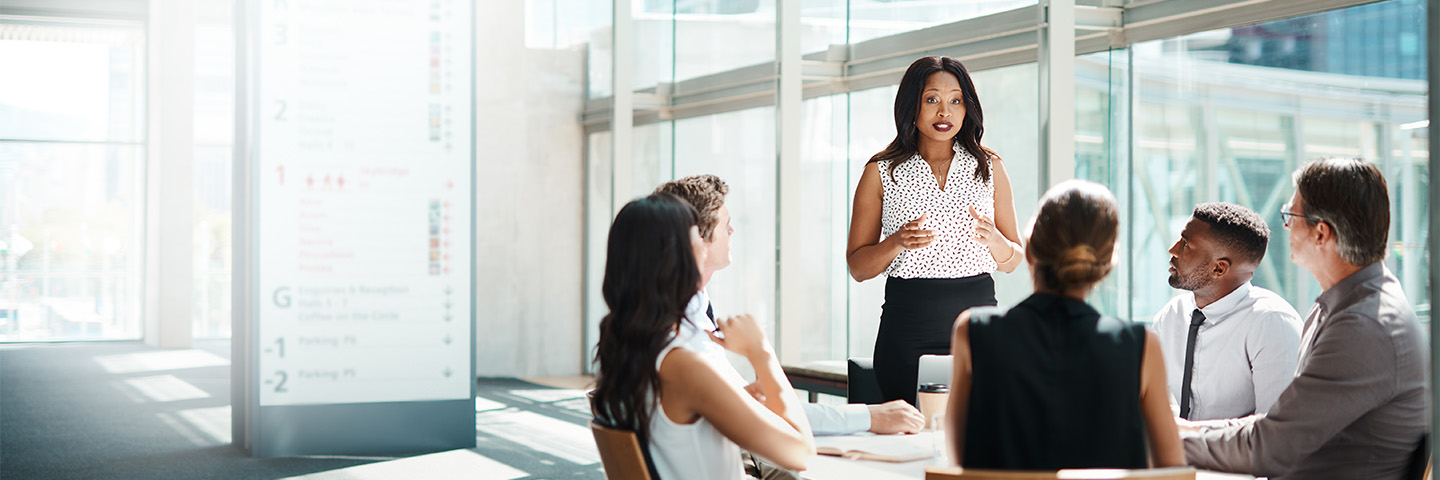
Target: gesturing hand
742 336
913 235
985 231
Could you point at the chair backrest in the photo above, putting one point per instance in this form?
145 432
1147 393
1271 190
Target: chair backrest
958 473
1419 467
934 369
620 453
861 385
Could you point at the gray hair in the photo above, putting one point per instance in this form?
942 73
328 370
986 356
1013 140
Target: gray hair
1350 195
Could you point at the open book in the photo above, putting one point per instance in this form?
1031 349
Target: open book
881 448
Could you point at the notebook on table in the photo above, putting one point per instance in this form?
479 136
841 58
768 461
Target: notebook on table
880 448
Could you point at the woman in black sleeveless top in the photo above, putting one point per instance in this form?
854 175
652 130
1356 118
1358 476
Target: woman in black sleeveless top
1050 383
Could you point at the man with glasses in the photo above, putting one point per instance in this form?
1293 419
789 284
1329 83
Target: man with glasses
1230 347
1357 405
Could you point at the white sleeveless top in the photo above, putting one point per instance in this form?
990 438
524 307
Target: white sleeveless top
696 450
955 252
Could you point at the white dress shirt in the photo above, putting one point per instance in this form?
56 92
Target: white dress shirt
824 419
1245 352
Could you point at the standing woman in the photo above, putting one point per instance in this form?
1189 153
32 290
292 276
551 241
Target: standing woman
690 410
934 213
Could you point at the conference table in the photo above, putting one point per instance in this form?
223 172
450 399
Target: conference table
830 467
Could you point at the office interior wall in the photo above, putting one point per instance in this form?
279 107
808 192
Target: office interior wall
529 200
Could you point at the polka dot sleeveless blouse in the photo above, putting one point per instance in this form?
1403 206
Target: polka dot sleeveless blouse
955 253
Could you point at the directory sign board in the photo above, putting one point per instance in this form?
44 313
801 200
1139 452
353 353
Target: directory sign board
359 161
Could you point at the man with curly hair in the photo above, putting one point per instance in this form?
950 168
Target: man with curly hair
1230 346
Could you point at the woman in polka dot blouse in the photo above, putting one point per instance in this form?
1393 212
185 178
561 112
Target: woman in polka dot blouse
934 213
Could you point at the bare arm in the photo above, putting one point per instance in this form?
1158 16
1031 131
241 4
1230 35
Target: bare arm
1165 448
1008 253
742 335
959 403
691 387
866 253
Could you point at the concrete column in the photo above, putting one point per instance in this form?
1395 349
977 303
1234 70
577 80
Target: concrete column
170 174
790 303
1057 93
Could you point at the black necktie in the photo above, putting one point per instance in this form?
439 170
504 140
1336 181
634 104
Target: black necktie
1196 319
710 311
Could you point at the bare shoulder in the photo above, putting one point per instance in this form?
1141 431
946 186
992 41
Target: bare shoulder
962 327
993 155
869 184
870 172
685 367
1152 343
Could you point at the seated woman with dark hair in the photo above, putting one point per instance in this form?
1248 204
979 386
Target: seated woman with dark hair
691 415
1050 383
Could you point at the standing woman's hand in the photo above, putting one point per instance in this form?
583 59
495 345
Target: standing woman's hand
985 231
914 235
1006 254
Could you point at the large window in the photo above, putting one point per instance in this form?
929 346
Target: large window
712 144
1165 122
72 156
1216 121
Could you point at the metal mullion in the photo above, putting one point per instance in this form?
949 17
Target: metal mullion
1172 18
1023 40
1432 55
992 41
73 142
762 86
752 74
907 44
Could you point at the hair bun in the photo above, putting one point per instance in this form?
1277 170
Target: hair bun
1078 265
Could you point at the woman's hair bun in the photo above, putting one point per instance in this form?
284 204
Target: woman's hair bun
1078 265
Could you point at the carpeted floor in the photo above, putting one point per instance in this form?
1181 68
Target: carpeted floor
122 410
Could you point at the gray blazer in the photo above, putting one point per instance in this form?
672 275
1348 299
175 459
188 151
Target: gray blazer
1357 406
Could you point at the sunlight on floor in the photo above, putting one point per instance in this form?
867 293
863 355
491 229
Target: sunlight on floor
565 440
213 422
165 388
574 382
451 464
484 405
548 395
159 360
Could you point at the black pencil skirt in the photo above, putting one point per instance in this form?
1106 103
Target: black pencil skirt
917 319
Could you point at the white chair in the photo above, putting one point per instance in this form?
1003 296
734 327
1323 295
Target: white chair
934 369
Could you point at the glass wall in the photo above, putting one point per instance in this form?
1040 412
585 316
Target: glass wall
738 147
72 157
878 18
1101 156
824 167
1221 115
1214 125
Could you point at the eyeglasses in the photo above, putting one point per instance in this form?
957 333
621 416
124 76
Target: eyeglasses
1286 215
